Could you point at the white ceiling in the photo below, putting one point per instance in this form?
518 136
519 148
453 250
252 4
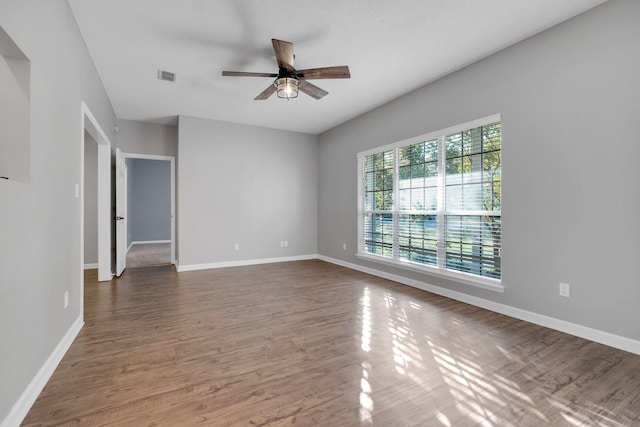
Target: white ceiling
391 47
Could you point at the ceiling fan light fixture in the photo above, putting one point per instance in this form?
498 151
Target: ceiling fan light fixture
289 80
287 87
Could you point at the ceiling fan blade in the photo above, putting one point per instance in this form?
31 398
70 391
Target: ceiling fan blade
312 90
266 93
284 54
246 74
340 72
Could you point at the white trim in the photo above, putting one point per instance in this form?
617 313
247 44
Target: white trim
147 156
241 263
458 276
90 124
172 163
28 397
121 212
90 266
22 406
148 242
441 212
596 335
434 134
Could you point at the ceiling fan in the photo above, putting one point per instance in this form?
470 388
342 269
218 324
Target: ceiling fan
289 80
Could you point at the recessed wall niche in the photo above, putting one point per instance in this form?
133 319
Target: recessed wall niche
15 78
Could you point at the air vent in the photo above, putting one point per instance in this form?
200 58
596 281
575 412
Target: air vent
167 76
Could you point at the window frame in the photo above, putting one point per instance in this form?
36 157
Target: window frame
440 269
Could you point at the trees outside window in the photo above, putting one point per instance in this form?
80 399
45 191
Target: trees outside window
435 200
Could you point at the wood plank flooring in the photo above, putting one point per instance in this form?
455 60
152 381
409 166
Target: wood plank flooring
314 344
148 254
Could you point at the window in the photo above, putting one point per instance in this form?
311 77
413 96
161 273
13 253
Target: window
433 202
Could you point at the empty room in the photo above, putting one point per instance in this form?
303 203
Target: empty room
271 213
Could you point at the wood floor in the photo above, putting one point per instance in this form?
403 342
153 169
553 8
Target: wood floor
313 344
147 254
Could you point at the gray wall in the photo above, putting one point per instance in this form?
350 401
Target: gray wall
40 229
90 200
15 78
248 185
569 100
148 200
136 137
147 138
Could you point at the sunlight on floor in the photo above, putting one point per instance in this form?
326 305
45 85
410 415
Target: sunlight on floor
405 350
467 387
366 402
444 420
478 396
569 414
457 365
366 320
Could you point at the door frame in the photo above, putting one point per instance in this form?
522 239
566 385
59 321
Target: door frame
121 217
90 125
172 163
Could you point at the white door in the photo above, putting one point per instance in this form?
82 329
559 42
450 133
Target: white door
121 210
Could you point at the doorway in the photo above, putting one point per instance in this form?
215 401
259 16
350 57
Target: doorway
90 193
93 134
149 195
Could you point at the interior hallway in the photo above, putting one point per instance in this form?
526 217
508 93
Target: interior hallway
149 254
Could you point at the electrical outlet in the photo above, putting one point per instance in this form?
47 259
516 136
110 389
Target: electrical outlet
564 290
66 299
286 243
344 246
237 246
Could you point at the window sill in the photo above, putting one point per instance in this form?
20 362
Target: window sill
464 278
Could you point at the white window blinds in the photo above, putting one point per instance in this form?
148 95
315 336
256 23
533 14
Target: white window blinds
435 200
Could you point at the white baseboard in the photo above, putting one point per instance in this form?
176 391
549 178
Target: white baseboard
241 263
30 394
149 242
606 338
27 399
146 242
91 266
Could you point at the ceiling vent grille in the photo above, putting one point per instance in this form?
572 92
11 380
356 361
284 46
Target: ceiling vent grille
167 76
